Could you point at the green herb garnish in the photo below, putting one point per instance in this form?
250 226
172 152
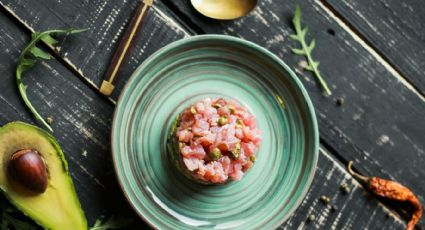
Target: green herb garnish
29 57
306 50
111 223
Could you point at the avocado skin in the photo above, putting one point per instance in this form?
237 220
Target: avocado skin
58 207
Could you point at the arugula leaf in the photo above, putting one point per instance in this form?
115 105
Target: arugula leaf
29 57
49 40
111 223
37 52
306 50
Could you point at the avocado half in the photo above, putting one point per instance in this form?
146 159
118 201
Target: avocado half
58 207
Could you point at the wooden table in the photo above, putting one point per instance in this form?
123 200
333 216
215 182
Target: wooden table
372 54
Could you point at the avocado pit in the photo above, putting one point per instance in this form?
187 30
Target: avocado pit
28 168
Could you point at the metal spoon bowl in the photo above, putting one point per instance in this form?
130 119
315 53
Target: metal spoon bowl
224 9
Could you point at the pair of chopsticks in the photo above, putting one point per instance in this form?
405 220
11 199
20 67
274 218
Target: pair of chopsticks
122 51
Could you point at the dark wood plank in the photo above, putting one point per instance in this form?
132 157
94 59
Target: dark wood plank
394 28
311 87
91 53
355 210
280 17
81 121
381 122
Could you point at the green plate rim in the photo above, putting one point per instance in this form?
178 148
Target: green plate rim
311 115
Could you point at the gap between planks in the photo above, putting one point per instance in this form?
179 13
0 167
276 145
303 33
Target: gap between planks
54 52
356 36
170 21
325 8
341 168
372 50
69 65
339 159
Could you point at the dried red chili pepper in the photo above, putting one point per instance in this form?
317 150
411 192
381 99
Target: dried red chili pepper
391 190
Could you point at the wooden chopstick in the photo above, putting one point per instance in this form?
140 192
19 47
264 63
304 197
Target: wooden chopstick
121 52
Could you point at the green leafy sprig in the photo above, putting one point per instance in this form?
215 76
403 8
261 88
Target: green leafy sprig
29 57
111 223
306 50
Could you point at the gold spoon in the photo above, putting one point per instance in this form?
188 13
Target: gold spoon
224 9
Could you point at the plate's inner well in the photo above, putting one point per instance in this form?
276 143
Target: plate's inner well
182 74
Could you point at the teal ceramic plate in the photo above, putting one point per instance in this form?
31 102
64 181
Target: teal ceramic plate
214 66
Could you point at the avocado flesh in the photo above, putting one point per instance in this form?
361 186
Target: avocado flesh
58 207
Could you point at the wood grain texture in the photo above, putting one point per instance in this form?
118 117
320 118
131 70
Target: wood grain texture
355 210
272 40
380 125
81 123
341 127
91 53
394 28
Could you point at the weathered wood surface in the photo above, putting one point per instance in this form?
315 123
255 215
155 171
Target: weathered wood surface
355 210
362 112
342 128
91 53
381 124
395 28
81 122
